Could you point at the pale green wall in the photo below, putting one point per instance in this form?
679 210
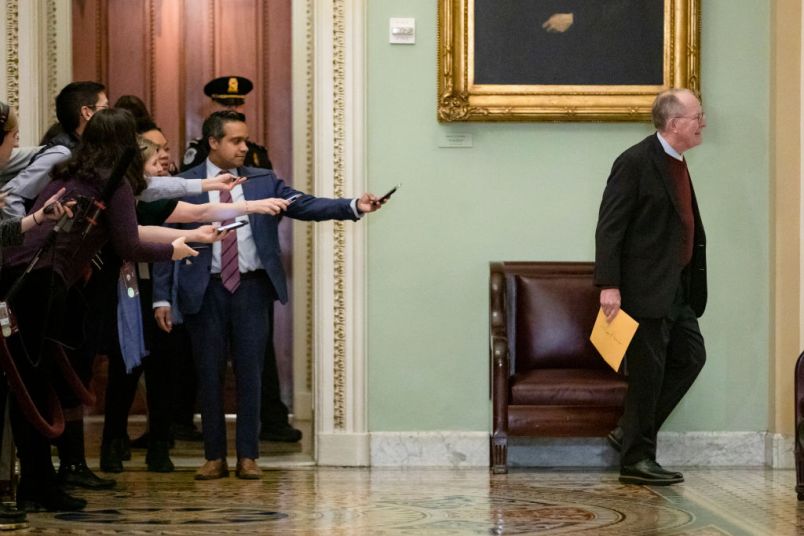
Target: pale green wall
531 192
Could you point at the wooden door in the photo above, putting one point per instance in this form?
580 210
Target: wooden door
164 51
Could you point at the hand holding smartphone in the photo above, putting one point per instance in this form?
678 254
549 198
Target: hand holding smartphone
233 225
388 194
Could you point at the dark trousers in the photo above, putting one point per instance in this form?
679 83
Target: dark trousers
663 360
39 306
175 348
122 387
239 325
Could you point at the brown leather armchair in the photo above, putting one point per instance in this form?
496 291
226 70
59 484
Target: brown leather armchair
546 377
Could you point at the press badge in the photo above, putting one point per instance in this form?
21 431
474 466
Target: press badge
8 325
129 275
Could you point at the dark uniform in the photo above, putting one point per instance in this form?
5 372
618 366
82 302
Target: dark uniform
228 91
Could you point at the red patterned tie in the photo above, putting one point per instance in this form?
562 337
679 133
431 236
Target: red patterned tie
230 268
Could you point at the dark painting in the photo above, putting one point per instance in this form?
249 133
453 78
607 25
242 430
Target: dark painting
569 42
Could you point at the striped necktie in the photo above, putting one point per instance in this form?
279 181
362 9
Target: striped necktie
230 267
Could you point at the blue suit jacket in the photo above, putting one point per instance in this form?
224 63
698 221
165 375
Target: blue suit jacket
184 283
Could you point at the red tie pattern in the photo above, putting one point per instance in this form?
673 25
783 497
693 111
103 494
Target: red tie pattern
230 267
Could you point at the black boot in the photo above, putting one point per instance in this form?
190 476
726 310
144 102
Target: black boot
73 470
78 474
158 457
47 499
111 456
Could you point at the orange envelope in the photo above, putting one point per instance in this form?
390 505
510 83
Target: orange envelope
612 340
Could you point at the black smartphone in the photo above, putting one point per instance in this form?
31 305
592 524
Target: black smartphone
233 225
389 193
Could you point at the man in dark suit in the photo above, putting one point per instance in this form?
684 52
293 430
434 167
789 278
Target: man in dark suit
226 294
229 93
651 261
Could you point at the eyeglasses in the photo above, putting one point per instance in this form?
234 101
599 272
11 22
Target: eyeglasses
698 117
97 107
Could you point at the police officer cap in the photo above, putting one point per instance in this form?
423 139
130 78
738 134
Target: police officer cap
228 90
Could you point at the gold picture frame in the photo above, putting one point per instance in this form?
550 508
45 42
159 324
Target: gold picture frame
461 98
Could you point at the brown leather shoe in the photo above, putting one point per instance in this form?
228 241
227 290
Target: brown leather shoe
212 469
247 469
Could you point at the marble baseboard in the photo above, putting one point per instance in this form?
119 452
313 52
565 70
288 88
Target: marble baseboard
677 449
703 449
430 449
779 451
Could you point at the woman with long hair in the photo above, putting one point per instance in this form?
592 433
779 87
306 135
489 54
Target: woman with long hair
61 257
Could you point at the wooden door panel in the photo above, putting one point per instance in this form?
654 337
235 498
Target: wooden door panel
165 51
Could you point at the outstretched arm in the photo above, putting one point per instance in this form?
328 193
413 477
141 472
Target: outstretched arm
191 212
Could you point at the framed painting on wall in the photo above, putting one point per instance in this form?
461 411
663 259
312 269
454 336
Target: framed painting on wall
563 60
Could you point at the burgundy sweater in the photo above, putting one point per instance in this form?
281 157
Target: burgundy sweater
681 178
71 254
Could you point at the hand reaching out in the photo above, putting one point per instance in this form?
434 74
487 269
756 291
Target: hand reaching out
270 205
369 203
181 250
222 182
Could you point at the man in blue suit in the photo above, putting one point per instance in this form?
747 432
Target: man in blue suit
226 297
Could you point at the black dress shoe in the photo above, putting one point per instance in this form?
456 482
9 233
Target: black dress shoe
615 439
79 475
662 470
648 472
158 457
48 499
283 434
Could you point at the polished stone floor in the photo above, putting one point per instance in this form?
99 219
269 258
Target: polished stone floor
295 497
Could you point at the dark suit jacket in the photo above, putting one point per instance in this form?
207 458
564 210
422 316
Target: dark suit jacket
187 293
639 235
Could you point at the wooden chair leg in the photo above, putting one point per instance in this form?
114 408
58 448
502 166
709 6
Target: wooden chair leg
499 454
799 457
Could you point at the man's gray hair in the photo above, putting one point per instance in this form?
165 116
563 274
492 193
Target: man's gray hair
666 106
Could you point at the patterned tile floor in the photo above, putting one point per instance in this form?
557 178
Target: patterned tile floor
412 502
295 498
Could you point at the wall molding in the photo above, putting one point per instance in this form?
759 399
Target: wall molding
343 449
339 248
37 61
12 66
